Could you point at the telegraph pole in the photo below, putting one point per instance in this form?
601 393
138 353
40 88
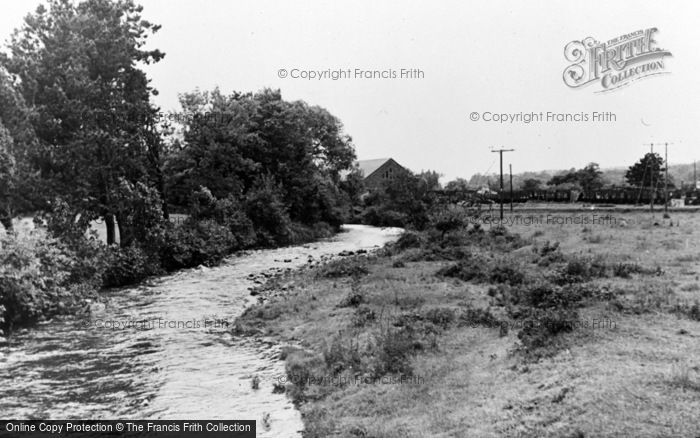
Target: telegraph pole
651 183
510 169
666 178
500 153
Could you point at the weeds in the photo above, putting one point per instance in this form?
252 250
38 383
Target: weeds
346 267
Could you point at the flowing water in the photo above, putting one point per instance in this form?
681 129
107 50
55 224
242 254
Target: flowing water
162 350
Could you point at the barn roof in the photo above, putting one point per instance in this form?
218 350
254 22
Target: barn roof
368 167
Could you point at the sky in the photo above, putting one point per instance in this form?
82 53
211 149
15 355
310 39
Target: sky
495 56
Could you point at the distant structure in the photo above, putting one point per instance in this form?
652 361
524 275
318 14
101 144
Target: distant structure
375 172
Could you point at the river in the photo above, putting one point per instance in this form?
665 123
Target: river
162 350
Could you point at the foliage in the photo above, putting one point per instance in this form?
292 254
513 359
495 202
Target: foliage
647 172
265 206
36 279
404 201
196 243
297 148
345 267
76 65
531 184
587 179
229 212
128 265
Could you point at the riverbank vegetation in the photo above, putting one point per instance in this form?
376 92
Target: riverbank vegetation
81 141
480 330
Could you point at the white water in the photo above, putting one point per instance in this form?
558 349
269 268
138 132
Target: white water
81 369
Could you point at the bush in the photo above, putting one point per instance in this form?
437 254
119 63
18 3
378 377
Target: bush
448 219
408 239
345 267
440 316
363 315
265 207
35 280
129 265
543 324
196 243
472 316
228 212
505 272
383 217
466 270
393 349
339 357
580 269
482 270
354 298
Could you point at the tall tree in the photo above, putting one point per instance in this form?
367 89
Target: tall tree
229 141
77 66
17 182
590 177
647 172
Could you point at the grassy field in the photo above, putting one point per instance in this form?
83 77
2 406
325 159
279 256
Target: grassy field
551 328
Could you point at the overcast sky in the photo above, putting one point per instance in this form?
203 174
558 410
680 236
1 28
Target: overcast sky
496 56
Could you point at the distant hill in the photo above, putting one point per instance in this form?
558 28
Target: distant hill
611 176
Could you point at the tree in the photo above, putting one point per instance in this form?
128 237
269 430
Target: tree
587 179
17 189
403 201
431 178
647 172
590 177
459 184
567 178
531 185
8 180
232 140
77 69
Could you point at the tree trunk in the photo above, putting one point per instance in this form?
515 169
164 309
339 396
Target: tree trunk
109 223
6 221
125 235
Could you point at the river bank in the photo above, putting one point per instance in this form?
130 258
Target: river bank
560 331
164 349
43 276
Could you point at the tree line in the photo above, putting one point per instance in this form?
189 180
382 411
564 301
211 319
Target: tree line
82 140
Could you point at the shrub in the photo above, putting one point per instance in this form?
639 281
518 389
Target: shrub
440 316
542 324
383 217
580 269
466 270
354 298
129 265
345 267
35 273
472 316
302 369
481 270
265 207
196 243
448 219
339 357
393 349
363 315
505 272
408 239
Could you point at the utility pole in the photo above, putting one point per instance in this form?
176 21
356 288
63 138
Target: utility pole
651 183
500 153
666 178
695 175
510 169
